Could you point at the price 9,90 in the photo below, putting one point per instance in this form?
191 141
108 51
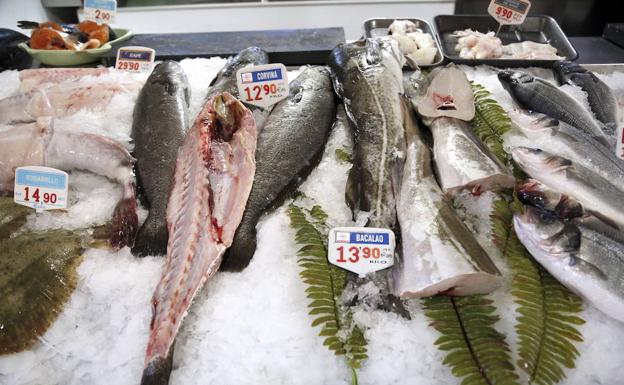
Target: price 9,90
47 197
504 12
358 252
128 65
257 91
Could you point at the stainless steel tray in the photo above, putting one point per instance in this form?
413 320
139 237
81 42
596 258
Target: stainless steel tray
378 27
541 29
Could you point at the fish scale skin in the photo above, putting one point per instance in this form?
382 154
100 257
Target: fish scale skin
201 218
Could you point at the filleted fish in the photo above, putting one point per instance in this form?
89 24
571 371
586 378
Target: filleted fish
213 176
160 121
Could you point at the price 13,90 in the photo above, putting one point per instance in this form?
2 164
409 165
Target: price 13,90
47 197
128 65
504 12
357 252
256 92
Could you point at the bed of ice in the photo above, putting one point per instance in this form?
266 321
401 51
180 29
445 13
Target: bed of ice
252 327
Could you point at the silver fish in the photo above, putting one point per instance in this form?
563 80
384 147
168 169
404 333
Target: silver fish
439 253
568 177
536 94
462 160
213 177
43 144
545 133
585 256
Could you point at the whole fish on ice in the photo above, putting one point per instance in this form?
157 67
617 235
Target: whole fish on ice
536 94
462 160
213 177
438 252
601 99
161 118
585 255
43 144
289 146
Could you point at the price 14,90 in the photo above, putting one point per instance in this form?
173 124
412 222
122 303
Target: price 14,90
37 197
256 92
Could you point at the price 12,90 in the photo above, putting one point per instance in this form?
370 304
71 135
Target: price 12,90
256 92
355 251
37 197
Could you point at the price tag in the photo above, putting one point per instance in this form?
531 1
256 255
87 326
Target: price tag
509 11
42 188
135 59
100 11
361 250
263 85
619 145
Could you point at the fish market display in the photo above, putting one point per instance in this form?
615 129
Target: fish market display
539 131
289 145
536 94
60 100
567 176
600 97
225 81
213 177
462 161
477 45
11 56
585 255
160 122
439 253
43 144
417 46
53 36
31 79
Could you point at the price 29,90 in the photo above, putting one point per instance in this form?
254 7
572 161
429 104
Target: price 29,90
128 65
356 253
36 196
256 92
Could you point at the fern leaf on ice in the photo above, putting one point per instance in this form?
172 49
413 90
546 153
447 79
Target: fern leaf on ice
476 352
325 285
547 310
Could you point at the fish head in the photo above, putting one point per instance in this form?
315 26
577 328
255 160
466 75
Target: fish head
533 193
537 162
545 234
563 68
171 76
228 112
513 79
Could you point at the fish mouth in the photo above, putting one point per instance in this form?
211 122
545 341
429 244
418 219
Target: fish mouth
228 111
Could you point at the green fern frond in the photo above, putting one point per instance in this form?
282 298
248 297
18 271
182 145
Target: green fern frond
343 156
491 122
476 352
547 310
325 285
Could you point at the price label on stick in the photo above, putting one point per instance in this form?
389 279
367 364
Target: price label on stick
135 59
42 188
263 85
100 11
509 11
361 250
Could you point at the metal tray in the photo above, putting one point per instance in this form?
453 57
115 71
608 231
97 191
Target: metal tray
540 28
378 27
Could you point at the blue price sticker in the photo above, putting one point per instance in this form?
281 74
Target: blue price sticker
263 85
361 250
41 188
100 11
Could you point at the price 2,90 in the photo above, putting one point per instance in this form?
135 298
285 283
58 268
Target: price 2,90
102 15
257 91
357 253
36 196
128 65
504 12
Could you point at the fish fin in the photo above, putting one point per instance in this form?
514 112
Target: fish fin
587 267
151 239
568 208
243 247
158 371
125 223
352 191
27 24
558 163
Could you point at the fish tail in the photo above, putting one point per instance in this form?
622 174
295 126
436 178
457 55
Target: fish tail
158 370
151 239
125 223
238 256
27 24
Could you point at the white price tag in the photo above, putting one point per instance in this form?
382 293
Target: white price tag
135 59
100 11
42 188
263 85
619 145
509 11
361 250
